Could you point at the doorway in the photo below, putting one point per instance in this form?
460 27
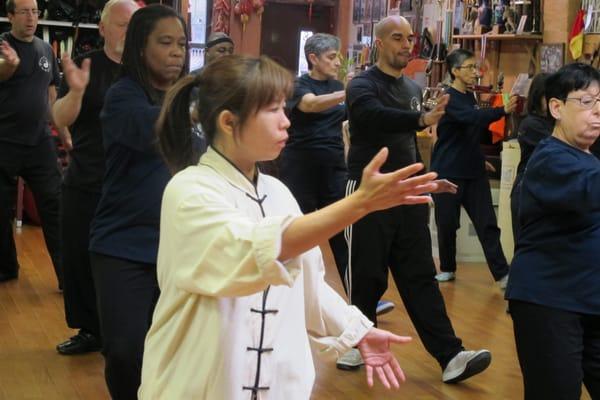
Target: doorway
282 25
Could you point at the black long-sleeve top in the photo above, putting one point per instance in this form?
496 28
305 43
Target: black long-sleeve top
557 263
126 224
457 152
531 131
382 111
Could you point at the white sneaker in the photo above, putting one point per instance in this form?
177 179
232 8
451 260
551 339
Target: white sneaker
502 282
350 360
466 364
445 276
384 307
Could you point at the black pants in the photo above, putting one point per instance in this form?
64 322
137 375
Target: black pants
127 292
77 210
38 166
399 238
558 350
474 195
316 183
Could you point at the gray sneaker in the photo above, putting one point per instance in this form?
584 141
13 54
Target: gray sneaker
466 364
445 276
350 360
384 307
502 282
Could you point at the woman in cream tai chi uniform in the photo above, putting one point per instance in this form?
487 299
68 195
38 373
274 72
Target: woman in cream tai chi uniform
241 276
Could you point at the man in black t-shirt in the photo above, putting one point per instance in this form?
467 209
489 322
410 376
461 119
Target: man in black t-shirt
218 45
28 79
87 79
312 164
384 110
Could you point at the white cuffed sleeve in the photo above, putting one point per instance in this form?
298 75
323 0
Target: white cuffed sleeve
333 325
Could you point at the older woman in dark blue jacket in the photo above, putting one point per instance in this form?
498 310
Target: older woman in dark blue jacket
554 284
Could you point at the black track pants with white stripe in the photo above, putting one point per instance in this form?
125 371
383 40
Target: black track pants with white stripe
398 239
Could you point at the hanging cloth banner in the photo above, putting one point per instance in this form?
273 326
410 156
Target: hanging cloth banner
576 35
497 128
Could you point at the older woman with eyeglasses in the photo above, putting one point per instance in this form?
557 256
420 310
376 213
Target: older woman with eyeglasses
554 285
457 156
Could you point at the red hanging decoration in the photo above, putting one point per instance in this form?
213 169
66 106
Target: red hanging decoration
259 7
243 8
310 9
220 17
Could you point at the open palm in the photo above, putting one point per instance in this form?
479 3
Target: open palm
77 78
375 351
9 54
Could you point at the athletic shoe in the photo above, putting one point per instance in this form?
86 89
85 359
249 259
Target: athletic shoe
384 307
502 282
466 364
445 276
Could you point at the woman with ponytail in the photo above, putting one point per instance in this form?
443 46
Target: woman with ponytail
124 232
239 268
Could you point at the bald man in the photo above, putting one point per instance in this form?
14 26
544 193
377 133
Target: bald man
384 109
82 97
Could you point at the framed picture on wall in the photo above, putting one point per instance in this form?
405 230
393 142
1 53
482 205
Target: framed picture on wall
552 57
376 11
384 8
356 16
359 33
367 33
405 5
366 17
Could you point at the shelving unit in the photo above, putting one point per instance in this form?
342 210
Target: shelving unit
489 46
47 29
528 40
502 36
66 24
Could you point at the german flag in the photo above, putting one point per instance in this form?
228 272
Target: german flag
576 36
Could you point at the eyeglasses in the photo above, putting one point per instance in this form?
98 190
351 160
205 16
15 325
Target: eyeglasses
33 12
586 102
472 67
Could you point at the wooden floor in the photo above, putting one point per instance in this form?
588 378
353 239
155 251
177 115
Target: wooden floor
32 323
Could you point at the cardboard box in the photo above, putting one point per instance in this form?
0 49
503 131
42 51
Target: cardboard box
468 248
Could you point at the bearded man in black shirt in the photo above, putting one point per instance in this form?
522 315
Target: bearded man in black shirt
87 79
384 110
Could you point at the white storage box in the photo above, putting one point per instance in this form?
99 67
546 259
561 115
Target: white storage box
468 248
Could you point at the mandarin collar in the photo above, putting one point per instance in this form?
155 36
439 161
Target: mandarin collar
224 167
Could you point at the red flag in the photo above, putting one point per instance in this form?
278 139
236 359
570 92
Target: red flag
576 35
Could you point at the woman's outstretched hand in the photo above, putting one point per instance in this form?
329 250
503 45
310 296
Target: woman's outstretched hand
375 351
379 191
445 186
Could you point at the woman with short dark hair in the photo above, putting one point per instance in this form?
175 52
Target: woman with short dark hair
554 284
457 156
